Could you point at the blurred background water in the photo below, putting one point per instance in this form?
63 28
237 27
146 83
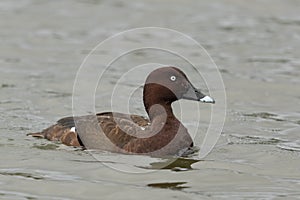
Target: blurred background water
256 47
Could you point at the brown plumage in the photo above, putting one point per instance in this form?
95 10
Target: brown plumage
161 134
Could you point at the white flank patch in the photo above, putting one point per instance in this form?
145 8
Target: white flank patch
73 129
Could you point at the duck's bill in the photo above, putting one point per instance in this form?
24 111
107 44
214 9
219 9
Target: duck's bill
207 99
196 95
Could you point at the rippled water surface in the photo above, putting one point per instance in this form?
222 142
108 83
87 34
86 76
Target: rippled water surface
256 47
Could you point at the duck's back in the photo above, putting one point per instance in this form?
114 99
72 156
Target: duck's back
105 131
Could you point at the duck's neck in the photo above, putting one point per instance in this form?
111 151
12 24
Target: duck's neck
167 132
161 110
156 107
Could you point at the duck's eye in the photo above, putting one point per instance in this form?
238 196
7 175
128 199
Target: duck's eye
173 78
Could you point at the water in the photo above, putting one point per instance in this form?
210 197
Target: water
255 46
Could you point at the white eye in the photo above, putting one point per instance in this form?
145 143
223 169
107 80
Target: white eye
173 78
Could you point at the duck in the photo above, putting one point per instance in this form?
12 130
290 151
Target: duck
158 134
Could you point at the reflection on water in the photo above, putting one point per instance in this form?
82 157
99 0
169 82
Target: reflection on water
174 164
169 185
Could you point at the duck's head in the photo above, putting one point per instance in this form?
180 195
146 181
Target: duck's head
168 84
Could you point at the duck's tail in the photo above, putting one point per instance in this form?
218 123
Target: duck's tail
38 135
57 132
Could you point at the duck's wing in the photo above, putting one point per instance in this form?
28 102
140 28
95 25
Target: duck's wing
119 128
137 119
107 131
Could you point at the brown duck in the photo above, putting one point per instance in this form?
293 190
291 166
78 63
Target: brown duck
161 134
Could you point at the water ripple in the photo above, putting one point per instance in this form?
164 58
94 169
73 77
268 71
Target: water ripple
290 146
37 174
247 139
